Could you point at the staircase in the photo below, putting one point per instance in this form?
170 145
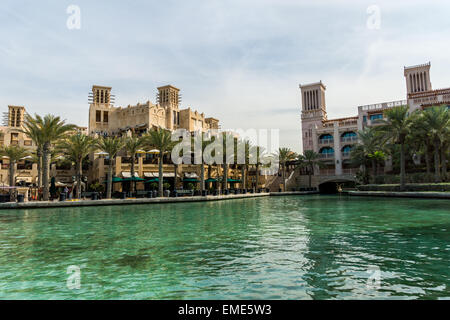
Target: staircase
274 183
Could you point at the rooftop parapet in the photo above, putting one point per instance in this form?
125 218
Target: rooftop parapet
382 106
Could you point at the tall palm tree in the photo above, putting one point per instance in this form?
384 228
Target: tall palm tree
111 146
76 148
368 148
285 155
32 129
160 139
227 157
205 143
255 154
14 153
419 139
52 129
244 166
437 121
308 160
396 128
132 146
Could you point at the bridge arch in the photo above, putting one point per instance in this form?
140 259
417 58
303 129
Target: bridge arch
331 184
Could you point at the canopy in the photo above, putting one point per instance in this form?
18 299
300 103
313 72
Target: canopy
211 180
133 179
114 179
190 180
127 174
191 175
156 174
234 180
152 180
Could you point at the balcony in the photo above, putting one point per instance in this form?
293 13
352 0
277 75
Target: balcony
326 141
326 155
327 172
349 139
351 171
345 155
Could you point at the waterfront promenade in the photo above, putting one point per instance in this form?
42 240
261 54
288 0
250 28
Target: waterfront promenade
131 201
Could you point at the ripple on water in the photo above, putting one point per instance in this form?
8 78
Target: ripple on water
311 247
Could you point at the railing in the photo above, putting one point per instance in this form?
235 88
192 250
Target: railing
326 141
327 172
350 171
349 139
384 105
326 155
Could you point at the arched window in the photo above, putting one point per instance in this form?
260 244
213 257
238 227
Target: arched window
326 138
346 149
326 150
349 134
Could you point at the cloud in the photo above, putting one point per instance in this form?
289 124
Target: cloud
239 61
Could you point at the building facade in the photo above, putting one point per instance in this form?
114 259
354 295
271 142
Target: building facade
333 139
106 119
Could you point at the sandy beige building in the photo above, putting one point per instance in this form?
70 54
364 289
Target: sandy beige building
106 119
333 139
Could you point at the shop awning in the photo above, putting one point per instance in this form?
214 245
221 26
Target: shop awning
133 179
234 180
211 180
190 175
127 174
190 180
156 174
114 180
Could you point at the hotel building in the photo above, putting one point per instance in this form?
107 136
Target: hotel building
333 139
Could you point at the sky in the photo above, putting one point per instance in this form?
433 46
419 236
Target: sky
240 61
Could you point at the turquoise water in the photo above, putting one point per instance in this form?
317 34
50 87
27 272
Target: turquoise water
297 247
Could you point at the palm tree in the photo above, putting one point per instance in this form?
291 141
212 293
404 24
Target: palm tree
51 129
245 146
132 146
76 148
227 157
396 128
32 130
308 160
285 155
111 146
205 143
368 149
437 122
254 157
419 139
161 140
14 153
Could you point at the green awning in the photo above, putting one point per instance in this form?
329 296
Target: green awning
152 180
190 180
234 180
114 180
211 180
133 179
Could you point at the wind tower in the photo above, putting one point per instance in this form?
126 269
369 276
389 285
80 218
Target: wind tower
169 97
101 101
313 111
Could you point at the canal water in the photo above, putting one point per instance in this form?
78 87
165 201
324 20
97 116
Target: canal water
295 247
